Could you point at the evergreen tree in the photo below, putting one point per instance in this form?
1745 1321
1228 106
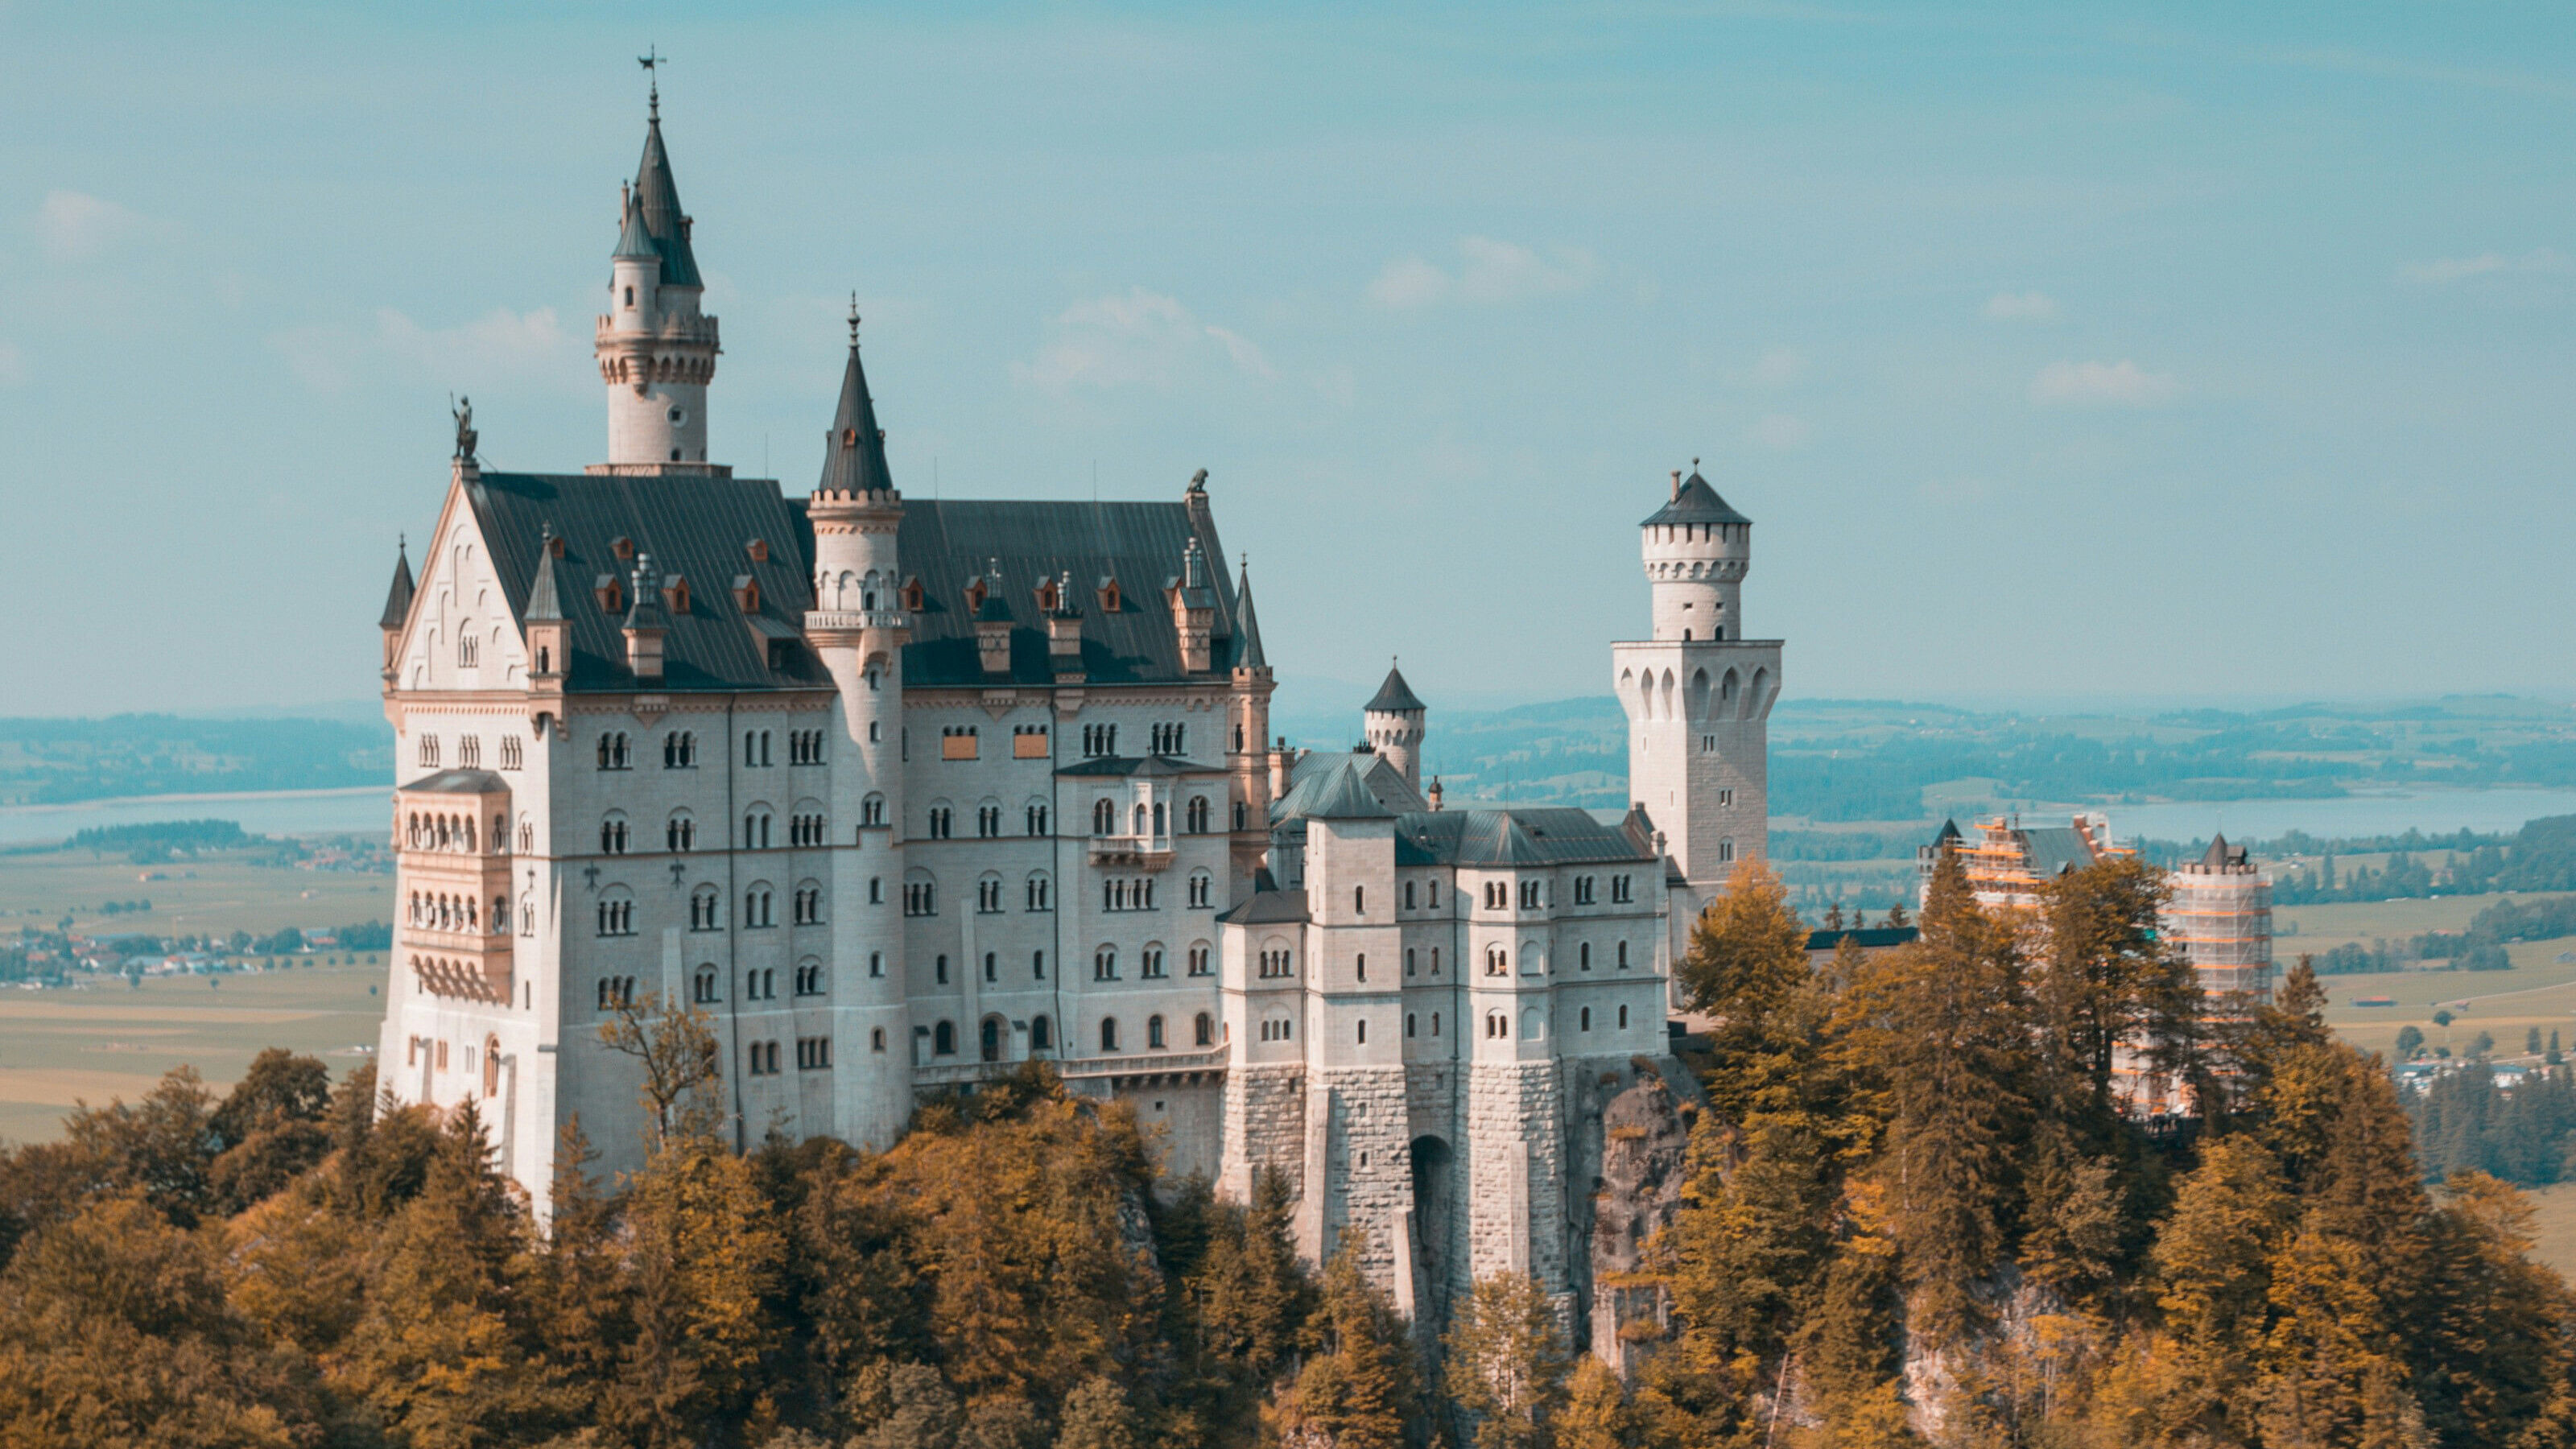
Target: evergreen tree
1946 1023
1360 1390
1507 1362
1597 1414
704 1259
1096 1416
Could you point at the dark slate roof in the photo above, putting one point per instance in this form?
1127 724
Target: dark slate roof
1868 938
1314 775
634 243
1120 766
1394 696
950 543
2221 855
1341 793
1268 908
657 199
398 597
1949 832
458 782
1695 503
854 456
695 524
1247 633
1534 837
2057 849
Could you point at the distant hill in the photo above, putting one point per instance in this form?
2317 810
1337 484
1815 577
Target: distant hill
53 761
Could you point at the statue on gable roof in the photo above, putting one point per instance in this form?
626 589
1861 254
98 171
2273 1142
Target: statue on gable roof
462 409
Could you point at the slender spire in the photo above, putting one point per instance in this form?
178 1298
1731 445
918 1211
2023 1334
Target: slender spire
1247 652
657 202
854 459
398 598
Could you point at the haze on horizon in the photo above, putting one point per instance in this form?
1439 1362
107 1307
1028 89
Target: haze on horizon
2055 353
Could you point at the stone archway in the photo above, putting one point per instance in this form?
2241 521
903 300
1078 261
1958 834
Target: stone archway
1435 1228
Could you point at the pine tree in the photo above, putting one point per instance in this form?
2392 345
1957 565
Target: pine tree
1097 1416
1597 1414
1360 1391
705 1258
1507 1361
1946 1024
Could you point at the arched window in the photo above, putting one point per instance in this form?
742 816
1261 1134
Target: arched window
1037 891
612 835
943 1039
1586 1019
1410 1023
1203 1030
1198 815
1497 961
1041 1034
1359 900
1623 955
758 907
491 1066
1154 1032
1104 964
703 989
1362 1024
876 1039
1104 818
1583 956
1037 817
1623 1018
876 964
988 1042
680 833
705 909
1109 1033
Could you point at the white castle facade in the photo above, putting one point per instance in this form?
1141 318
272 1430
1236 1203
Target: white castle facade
903 794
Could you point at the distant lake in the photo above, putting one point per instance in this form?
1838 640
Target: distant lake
365 810
2435 812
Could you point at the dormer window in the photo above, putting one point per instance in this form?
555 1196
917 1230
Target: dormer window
912 598
758 548
675 594
612 594
975 595
746 593
555 544
1108 594
624 548
1046 596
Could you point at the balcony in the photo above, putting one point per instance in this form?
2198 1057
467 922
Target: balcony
1124 1067
1146 852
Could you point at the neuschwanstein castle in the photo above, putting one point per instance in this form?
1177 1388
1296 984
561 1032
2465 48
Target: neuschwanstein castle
903 793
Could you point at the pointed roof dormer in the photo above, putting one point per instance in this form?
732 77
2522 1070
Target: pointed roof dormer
1247 633
545 594
657 205
854 458
398 597
634 243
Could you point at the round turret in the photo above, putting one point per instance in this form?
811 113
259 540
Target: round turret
656 349
1392 723
1696 551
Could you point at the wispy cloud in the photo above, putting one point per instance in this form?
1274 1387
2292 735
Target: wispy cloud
1137 337
2121 384
1779 367
1781 432
2021 307
75 226
2445 270
500 344
1489 273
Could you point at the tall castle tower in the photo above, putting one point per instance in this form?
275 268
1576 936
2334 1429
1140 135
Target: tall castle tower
656 350
859 627
1698 694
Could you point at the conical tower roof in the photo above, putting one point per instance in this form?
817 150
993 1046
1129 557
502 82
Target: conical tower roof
854 459
1695 502
1394 697
398 597
657 202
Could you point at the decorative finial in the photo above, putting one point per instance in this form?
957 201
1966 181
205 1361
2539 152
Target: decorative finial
653 60
854 321
1694 465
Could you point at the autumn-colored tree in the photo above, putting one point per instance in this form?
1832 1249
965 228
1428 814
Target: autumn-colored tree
1507 1361
703 1259
1945 1026
682 1062
1360 1390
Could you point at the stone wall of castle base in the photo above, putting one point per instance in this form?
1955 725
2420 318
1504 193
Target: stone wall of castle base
1262 1125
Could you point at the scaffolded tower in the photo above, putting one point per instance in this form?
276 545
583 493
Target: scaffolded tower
2221 918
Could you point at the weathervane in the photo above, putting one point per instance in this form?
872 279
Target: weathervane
854 319
653 60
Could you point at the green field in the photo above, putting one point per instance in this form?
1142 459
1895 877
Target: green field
106 1039
110 1040
217 895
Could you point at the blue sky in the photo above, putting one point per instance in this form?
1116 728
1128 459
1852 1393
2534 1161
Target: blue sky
2056 350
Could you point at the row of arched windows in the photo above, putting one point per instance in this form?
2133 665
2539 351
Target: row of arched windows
437 830
439 911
